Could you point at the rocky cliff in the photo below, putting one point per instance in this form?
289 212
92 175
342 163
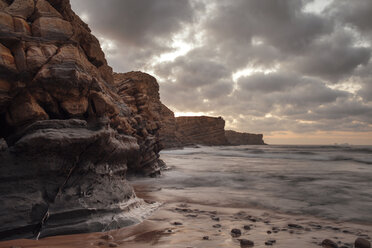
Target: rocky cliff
140 92
237 138
201 130
68 135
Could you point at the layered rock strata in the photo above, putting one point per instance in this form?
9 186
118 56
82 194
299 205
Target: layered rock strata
169 136
237 138
67 136
140 92
202 130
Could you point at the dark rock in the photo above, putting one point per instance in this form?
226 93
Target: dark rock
217 226
177 223
215 218
206 238
362 243
296 226
247 227
327 243
246 243
112 245
270 242
269 232
236 232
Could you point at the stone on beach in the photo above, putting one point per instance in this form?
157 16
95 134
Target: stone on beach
327 243
362 243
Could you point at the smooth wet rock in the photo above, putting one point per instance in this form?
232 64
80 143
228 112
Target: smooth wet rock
236 232
246 243
362 243
327 243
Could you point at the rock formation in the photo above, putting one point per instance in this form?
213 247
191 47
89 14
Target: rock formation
202 130
67 135
237 138
140 92
169 136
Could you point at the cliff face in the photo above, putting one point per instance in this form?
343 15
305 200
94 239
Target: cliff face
201 130
140 92
236 138
67 134
169 136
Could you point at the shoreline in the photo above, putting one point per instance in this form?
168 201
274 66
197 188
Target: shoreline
183 224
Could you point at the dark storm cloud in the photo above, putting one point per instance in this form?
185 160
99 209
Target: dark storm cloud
356 13
140 28
333 56
301 62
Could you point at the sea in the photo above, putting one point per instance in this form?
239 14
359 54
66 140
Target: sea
330 182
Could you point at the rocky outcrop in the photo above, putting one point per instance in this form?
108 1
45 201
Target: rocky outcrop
70 135
169 136
202 130
237 138
140 92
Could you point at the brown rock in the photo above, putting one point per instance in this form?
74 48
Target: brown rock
69 168
362 243
75 107
37 56
6 59
44 9
24 109
6 22
237 138
102 105
21 26
52 28
3 5
21 8
327 243
201 130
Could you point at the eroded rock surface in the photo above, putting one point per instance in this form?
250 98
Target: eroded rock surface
237 138
140 92
203 130
67 138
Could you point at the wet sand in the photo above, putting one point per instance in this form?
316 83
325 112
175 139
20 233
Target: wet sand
183 224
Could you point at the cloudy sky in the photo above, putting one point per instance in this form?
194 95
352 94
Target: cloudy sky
299 71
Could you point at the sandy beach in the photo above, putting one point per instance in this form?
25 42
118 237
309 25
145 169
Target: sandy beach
186 225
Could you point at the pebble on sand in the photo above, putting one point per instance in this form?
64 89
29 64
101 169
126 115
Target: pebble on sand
246 243
327 243
236 232
362 243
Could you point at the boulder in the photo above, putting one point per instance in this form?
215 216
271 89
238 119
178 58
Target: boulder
24 109
52 28
44 9
362 243
7 61
21 26
6 22
21 8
